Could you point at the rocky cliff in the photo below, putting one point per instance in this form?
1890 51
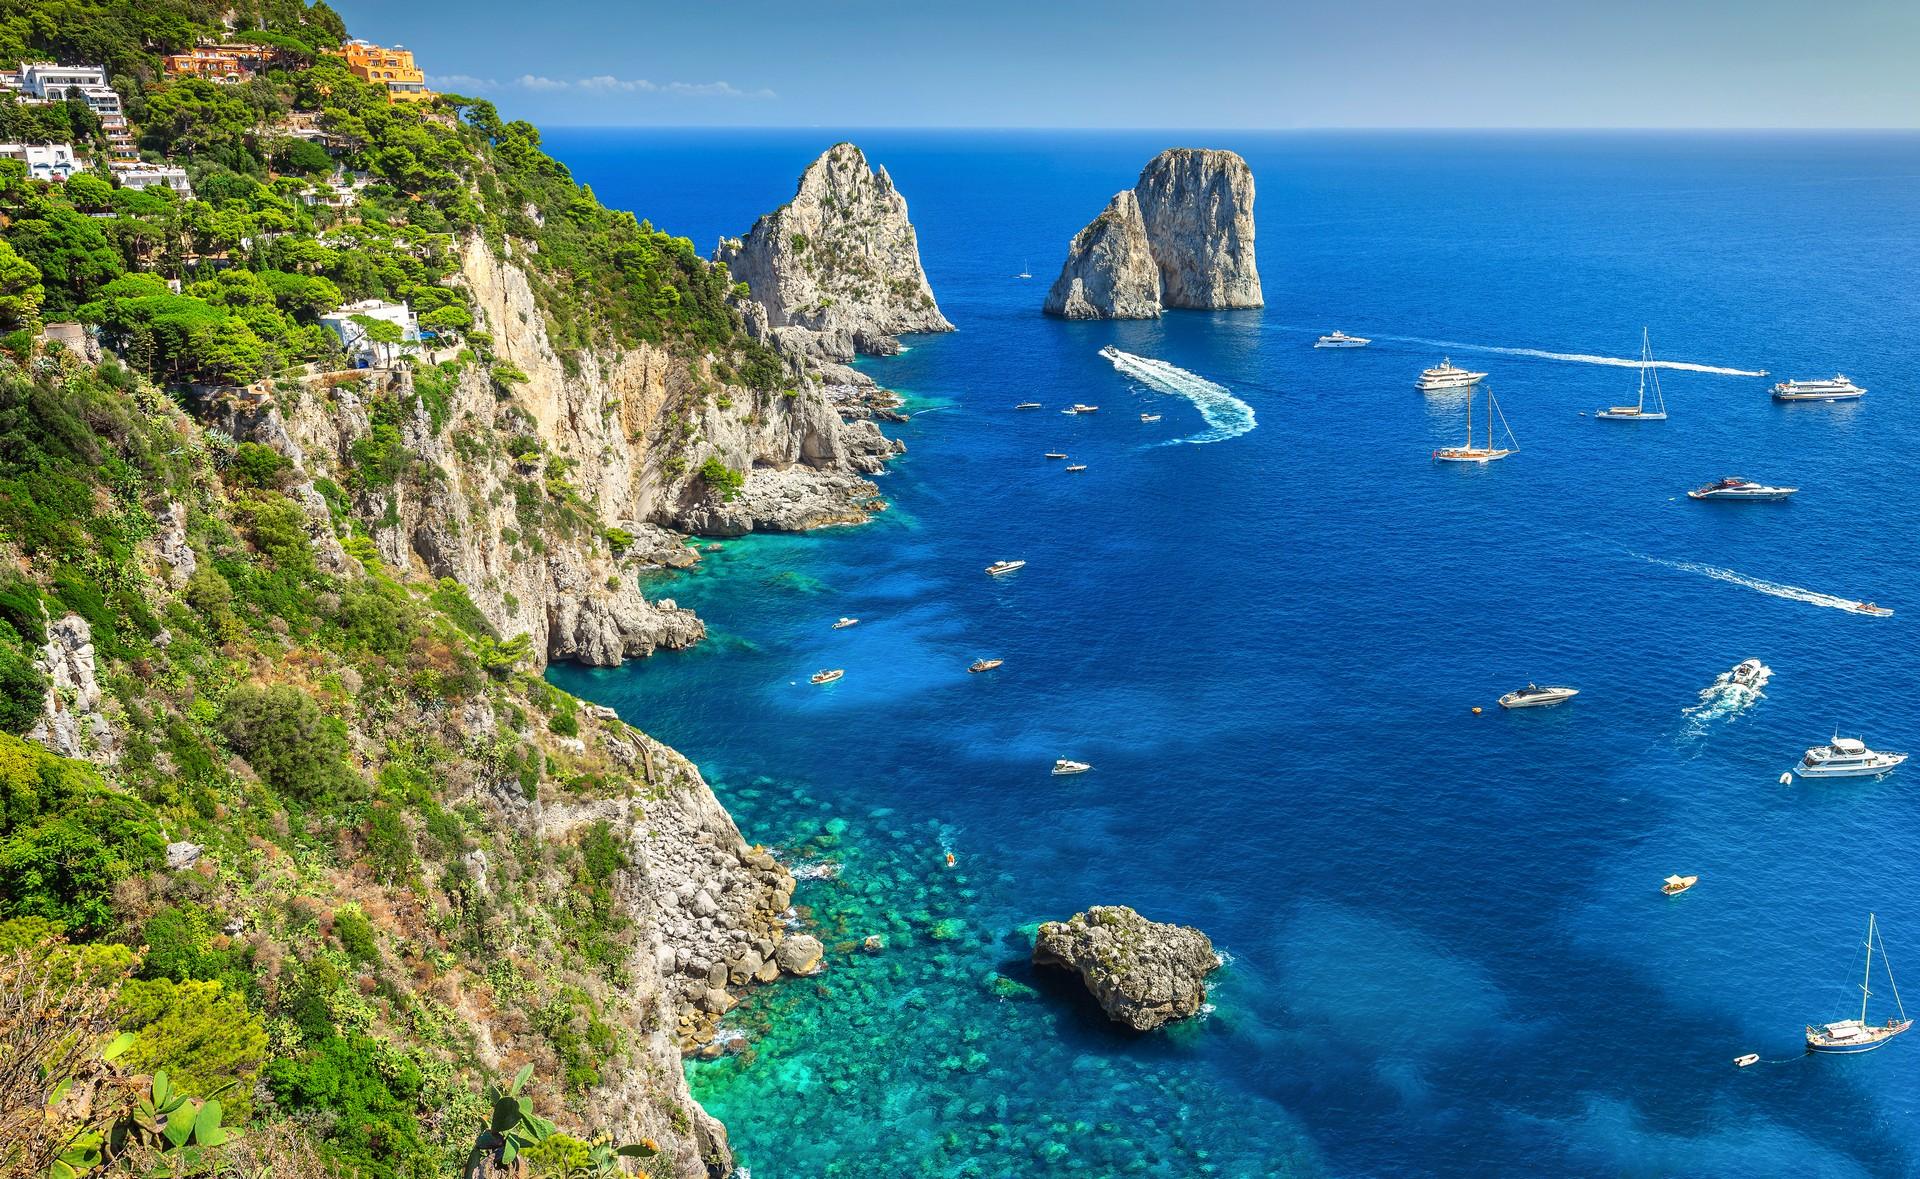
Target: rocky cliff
837 268
1195 221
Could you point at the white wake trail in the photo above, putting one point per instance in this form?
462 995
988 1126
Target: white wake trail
1792 593
1577 357
1227 416
1725 700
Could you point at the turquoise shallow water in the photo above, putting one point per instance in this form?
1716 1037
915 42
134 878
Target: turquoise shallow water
1447 954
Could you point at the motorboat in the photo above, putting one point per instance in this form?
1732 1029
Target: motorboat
1537 696
1638 411
999 567
1055 454
1339 339
1079 408
1077 467
1028 405
1857 1035
1469 453
1149 417
1445 376
827 676
1748 673
1837 389
1734 487
980 665
844 623
1062 767
1846 757
1871 610
1675 885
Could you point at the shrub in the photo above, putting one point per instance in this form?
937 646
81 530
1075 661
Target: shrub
721 479
201 1033
298 750
66 840
258 466
389 845
23 691
355 933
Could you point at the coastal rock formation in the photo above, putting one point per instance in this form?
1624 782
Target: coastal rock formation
1144 973
1191 216
840 262
1110 271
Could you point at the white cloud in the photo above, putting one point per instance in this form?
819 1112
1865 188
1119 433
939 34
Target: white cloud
599 84
536 82
460 83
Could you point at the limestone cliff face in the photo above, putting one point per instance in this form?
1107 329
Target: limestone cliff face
840 262
512 481
1198 209
1194 215
1110 272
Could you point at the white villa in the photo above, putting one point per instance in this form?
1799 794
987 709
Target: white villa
44 161
139 176
353 335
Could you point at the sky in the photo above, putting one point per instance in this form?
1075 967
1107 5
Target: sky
1225 64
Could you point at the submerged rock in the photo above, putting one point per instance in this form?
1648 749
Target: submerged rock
1144 973
1181 237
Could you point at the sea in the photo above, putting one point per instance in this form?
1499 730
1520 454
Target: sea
1277 629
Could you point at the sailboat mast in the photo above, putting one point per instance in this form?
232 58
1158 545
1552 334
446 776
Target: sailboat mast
1469 418
1646 355
1868 976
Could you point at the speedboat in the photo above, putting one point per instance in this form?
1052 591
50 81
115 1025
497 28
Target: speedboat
1079 408
980 665
844 623
999 567
1837 389
827 676
1341 340
1055 454
1149 417
1846 757
1536 696
1675 885
1078 467
1748 673
1028 405
1445 376
1065 766
1734 487
1871 610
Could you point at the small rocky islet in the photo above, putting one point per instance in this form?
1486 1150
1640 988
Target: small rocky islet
1144 974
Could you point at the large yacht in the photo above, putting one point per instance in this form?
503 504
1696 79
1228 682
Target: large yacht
1734 487
1340 339
1846 757
1838 389
1445 376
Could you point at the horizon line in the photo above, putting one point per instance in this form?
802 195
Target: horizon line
1187 128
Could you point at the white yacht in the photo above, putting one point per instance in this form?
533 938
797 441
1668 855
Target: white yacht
1340 339
1537 696
844 623
1838 389
1065 766
1445 376
1638 411
1734 487
999 567
1846 757
1749 673
1028 405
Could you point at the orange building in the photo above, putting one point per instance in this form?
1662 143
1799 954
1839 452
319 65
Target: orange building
212 65
392 68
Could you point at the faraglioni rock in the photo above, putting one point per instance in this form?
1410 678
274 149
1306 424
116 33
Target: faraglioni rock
840 261
1110 271
1194 207
1144 973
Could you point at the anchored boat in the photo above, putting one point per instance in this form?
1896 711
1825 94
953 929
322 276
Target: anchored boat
1837 389
980 665
1846 757
1734 487
1537 696
999 567
1470 453
1340 339
1675 885
1638 412
1063 767
1445 376
1856 1035
827 676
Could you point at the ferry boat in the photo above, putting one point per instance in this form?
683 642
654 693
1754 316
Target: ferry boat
1445 376
1470 453
1675 885
1838 389
1846 757
1857 1035
1536 696
844 623
999 567
827 676
1638 412
1340 339
980 665
1062 767
1028 405
1734 487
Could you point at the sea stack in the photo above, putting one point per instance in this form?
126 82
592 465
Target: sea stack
840 262
1143 973
1194 209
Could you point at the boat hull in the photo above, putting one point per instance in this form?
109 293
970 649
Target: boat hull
1469 456
1771 495
1836 395
1627 415
1875 1038
1448 383
1342 343
1514 700
1873 771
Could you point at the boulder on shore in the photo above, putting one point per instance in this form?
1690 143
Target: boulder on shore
1144 973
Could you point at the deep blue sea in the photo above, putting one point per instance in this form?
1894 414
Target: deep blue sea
1446 949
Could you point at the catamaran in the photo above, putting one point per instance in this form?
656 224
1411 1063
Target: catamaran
1856 1035
1638 412
1480 454
1838 389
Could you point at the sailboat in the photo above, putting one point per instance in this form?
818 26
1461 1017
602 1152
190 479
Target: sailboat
1638 412
1854 1035
1480 454
1024 272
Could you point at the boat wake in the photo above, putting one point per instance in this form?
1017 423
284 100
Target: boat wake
1578 357
1227 416
1792 593
1725 700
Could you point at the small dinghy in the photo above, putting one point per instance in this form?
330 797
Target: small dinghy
1675 885
1744 1061
1065 766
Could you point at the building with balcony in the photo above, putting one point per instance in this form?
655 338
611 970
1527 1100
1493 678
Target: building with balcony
139 176
44 161
209 64
355 340
390 67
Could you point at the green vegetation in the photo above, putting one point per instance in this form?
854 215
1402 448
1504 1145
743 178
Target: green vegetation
721 479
